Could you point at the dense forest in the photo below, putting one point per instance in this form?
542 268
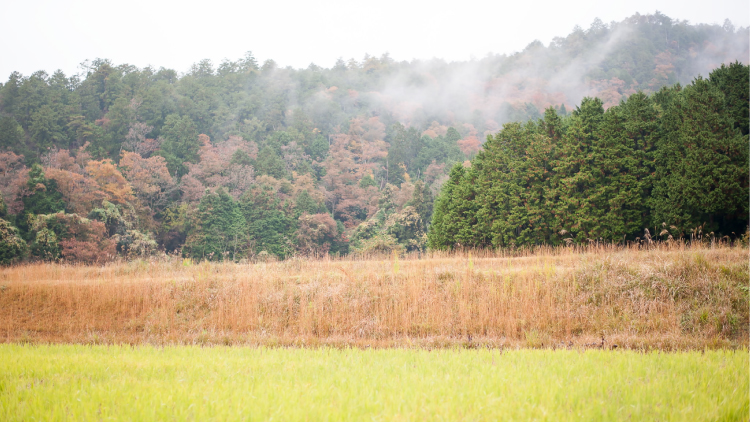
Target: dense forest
676 161
243 160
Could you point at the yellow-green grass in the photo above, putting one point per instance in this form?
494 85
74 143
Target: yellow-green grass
76 382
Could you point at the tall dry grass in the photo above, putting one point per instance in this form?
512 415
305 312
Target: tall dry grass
665 297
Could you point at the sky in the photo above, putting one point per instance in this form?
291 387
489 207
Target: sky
53 34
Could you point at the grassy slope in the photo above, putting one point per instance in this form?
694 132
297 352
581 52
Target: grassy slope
72 382
666 298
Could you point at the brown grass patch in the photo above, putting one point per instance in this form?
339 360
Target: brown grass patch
668 297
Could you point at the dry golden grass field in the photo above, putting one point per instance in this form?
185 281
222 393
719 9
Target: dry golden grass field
668 297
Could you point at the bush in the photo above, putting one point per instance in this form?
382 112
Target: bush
72 238
12 247
135 244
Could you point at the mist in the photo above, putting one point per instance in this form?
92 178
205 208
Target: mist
608 61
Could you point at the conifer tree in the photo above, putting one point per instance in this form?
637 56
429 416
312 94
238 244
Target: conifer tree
270 226
734 82
219 231
576 177
463 213
498 185
270 163
422 202
180 143
701 164
621 166
3 208
305 204
454 216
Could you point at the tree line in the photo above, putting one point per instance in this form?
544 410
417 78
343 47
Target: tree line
673 164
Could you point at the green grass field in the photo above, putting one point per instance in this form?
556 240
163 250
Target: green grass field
73 382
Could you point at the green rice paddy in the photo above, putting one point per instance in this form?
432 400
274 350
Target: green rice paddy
103 383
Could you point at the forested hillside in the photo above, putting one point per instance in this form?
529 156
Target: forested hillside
246 159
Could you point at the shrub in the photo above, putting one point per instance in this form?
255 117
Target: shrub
72 238
12 247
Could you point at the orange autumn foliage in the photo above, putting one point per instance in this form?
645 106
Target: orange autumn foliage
111 181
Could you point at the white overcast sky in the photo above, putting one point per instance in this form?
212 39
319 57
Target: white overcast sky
59 34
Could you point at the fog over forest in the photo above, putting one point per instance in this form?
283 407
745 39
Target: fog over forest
305 161
609 61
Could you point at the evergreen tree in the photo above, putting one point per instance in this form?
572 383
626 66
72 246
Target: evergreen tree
305 204
627 141
180 143
367 181
463 213
701 164
404 148
11 135
3 208
734 82
318 148
578 204
422 202
454 216
47 128
270 227
270 163
219 230
513 185
498 184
